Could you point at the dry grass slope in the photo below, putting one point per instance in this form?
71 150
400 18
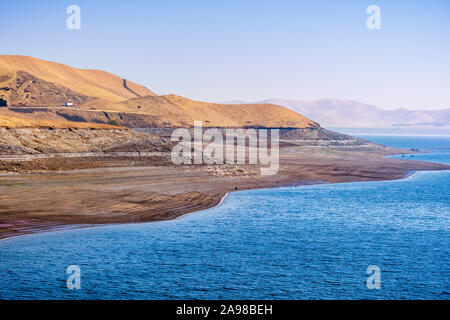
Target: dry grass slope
92 83
176 111
12 122
26 81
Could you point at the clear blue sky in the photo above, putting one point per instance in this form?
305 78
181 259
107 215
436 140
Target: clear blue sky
250 50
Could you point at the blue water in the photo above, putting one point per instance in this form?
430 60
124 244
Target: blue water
312 242
437 147
434 144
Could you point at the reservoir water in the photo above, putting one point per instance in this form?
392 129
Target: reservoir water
310 242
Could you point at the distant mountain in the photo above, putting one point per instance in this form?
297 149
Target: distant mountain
351 114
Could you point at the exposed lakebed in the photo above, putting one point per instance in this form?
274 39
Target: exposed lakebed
309 242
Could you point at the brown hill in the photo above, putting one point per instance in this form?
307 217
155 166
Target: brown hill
91 83
176 111
20 88
31 82
7 120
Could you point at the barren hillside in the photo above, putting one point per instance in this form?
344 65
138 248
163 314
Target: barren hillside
37 89
91 83
176 111
12 120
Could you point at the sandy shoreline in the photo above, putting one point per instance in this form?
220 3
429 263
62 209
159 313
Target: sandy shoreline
56 228
73 227
46 201
49 228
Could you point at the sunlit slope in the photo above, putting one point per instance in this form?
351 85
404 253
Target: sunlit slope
8 121
91 83
101 97
173 110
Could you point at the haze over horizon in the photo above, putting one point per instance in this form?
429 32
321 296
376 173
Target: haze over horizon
350 101
250 51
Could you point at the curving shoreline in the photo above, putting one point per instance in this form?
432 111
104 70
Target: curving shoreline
73 227
46 201
409 175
